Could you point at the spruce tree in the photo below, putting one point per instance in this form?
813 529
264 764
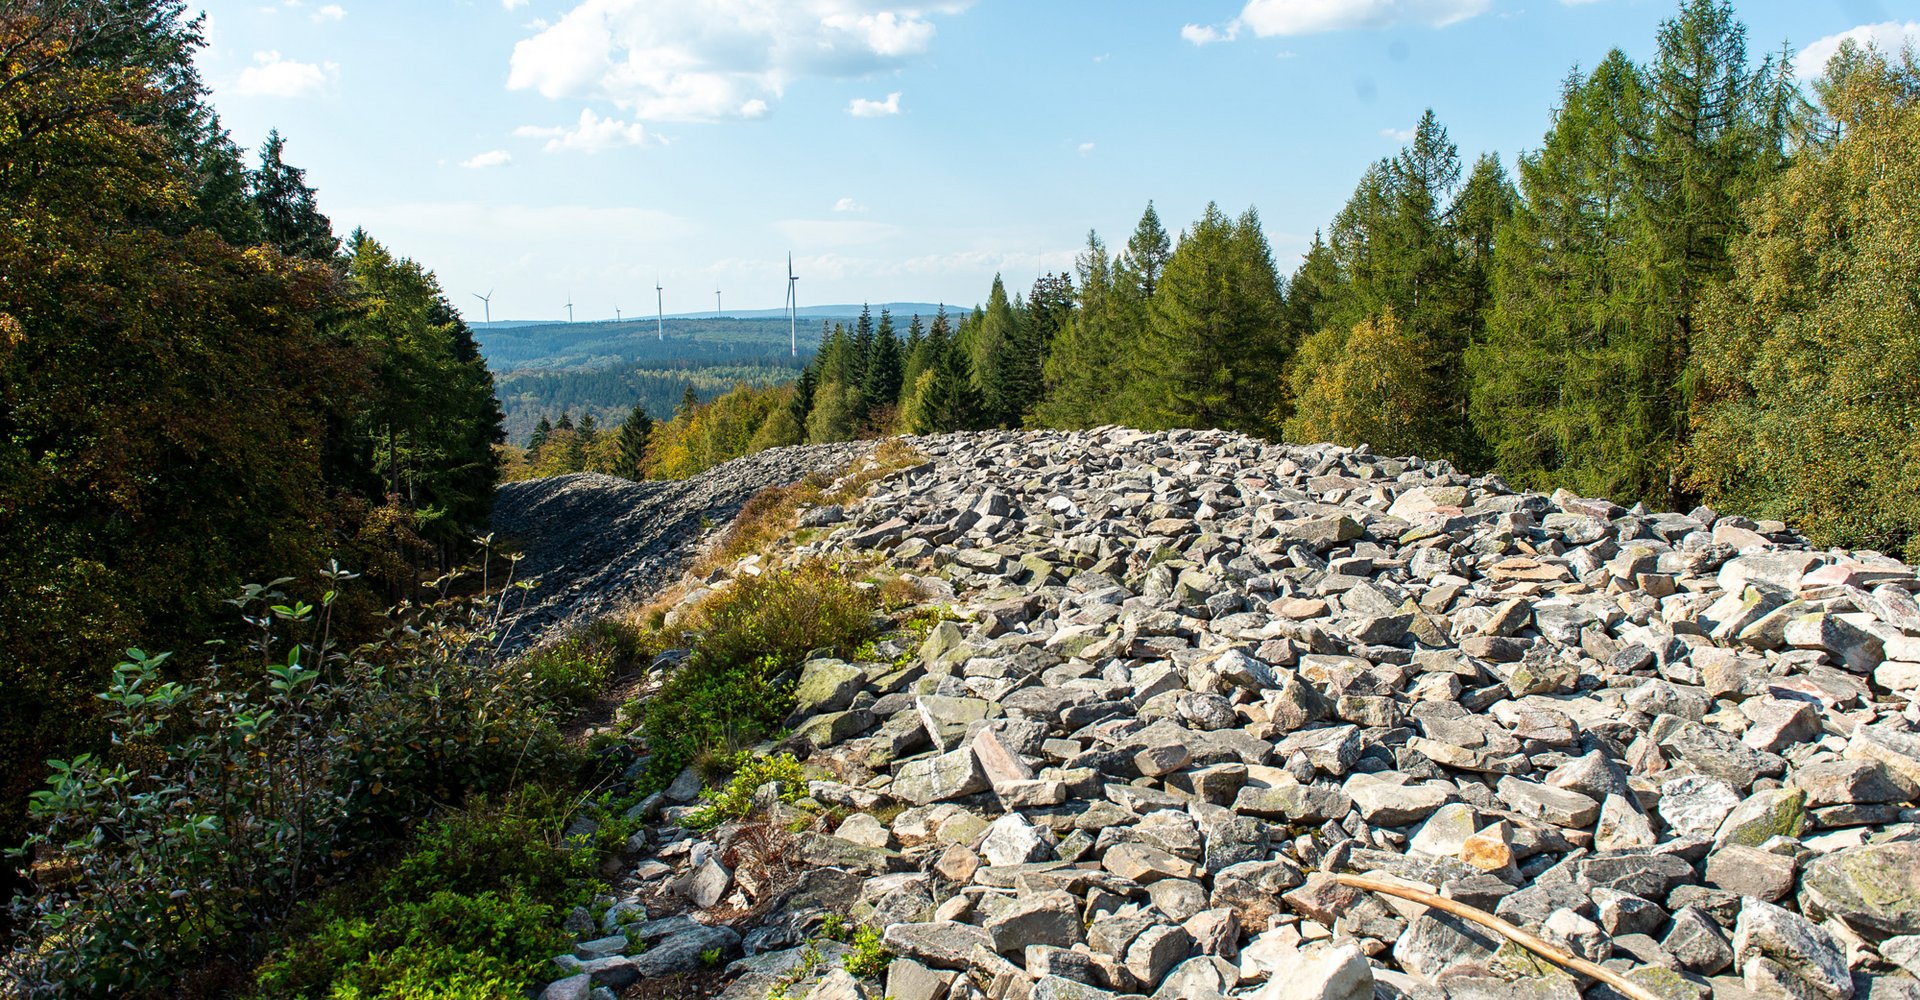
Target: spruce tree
880 381
289 214
1004 371
634 433
1147 251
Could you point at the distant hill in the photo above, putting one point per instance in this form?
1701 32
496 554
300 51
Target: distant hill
901 310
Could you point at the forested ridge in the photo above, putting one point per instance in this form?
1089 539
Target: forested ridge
1697 289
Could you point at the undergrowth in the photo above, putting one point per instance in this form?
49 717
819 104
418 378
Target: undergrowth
731 694
734 800
772 513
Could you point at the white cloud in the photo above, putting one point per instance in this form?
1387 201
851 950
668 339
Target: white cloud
848 205
271 75
717 59
860 107
331 12
512 4
1397 134
490 158
590 135
1206 34
1268 18
1085 148
1887 36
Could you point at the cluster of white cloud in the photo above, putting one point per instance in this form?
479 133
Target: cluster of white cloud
705 60
1269 18
1887 36
861 107
590 134
274 75
490 158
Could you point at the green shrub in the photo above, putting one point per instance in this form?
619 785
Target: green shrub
750 771
576 668
234 795
868 957
514 847
726 697
484 945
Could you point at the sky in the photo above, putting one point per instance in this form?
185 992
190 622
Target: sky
551 151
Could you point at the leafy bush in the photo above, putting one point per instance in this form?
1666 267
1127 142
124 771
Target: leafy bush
868 957
727 697
234 795
577 667
449 945
750 771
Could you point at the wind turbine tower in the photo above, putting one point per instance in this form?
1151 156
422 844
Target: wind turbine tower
716 303
616 314
793 310
569 307
486 303
659 311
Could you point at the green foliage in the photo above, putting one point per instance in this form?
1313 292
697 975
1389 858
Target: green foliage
1627 216
489 945
183 411
574 669
869 958
1809 360
1213 335
234 795
728 696
1368 384
750 771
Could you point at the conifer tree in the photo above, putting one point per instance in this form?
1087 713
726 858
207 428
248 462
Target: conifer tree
1147 252
289 214
1208 354
1005 373
634 432
880 382
1085 369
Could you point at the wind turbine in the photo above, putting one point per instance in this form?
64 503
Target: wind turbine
716 303
793 310
569 307
486 303
660 311
616 314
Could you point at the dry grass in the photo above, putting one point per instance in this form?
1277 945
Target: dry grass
771 514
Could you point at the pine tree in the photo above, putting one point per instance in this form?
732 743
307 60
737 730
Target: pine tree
880 383
1005 372
1085 369
634 433
541 432
689 401
1147 252
1215 321
289 214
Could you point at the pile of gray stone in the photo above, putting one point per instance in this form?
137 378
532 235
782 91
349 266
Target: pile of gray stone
1193 677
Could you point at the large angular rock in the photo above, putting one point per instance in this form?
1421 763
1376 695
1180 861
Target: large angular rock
1329 973
1874 889
1048 918
942 944
937 779
1808 956
682 952
1855 648
825 686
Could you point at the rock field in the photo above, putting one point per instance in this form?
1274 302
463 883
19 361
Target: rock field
598 542
1199 681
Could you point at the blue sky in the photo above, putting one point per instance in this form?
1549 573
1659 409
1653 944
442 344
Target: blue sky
900 151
